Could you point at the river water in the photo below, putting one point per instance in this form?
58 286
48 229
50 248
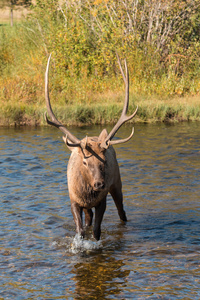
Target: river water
156 255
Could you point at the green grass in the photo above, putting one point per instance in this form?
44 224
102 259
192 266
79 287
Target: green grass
150 110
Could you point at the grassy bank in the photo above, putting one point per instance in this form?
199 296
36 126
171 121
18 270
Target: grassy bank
103 111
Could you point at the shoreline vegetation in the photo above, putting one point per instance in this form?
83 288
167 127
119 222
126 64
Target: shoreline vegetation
161 44
102 113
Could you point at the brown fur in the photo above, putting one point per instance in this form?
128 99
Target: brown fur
92 173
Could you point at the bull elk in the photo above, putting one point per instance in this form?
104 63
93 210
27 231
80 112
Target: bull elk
93 171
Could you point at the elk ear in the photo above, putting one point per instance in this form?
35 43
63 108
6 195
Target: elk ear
103 135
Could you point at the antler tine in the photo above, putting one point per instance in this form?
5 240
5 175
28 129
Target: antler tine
121 140
54 121
126 82
120 66
123 118
65 139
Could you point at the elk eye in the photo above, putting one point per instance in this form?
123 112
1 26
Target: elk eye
85 163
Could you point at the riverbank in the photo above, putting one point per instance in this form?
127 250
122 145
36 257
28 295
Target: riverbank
150 110
87 87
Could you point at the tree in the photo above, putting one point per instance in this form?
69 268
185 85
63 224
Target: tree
159 38
13 4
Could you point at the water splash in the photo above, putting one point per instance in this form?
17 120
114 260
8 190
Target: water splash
78 244
82 245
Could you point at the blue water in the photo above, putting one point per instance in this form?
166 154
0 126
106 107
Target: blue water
154 256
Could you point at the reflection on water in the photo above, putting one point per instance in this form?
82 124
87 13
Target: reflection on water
155 255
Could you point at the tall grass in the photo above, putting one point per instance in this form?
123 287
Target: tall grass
150 110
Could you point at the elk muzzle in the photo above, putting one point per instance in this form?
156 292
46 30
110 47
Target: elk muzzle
99 185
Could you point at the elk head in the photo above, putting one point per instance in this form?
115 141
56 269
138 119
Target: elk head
104 140
92 162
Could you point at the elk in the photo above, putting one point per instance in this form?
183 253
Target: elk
92 170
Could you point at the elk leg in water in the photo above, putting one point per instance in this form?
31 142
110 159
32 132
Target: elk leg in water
99 212
88 217
116 193
77 214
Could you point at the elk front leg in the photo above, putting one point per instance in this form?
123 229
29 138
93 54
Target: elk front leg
77 214
88 217
116 193
99 212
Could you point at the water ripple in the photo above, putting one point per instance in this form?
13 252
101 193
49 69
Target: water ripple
155 255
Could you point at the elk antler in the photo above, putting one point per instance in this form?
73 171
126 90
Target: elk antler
54 121
124 118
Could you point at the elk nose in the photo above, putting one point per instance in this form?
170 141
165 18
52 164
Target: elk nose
99 185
